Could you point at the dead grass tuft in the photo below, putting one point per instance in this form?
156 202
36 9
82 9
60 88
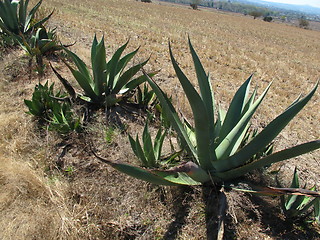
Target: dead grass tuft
30 207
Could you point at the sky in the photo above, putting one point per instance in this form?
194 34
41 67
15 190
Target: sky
314 3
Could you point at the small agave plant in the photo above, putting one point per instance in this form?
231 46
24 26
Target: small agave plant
148 153
215 144
41 43
47 105
109 81
15 18
298 205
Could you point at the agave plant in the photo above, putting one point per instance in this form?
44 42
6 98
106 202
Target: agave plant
110 80
316 210
43 100
145 97
63 119
43 43
15 18
148 153
298 205
215 144
47 105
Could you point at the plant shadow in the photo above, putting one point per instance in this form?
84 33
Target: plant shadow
216 206
182 209
118 116
210 199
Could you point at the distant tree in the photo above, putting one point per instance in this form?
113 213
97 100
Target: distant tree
194 4
283 18
255 14
146 1
303 23
267 19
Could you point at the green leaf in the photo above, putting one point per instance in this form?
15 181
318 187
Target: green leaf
137 81
148 147
141 153
236 108
172 114
82 67
233 138
84 83
207 95
158 142
112 67
65 83
124 61
34 108
99 66
294 184
23 6
268 133
133 145
178 178
30 16
42 21
94 49
9 16
126 76
200 117
138 172
273 158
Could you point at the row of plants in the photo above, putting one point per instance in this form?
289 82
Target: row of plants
217 147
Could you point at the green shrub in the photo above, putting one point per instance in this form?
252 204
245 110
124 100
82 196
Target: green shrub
268 19
145 97
303 23
42 100
255 14
63 119
148 153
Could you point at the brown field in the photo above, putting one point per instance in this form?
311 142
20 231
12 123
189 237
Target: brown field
93 201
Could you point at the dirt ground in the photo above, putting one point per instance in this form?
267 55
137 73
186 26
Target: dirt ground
52 187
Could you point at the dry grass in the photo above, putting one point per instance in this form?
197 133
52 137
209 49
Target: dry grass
91 201
30 207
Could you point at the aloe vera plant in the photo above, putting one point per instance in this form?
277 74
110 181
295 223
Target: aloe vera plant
15 18
110 80
298 205
215 144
